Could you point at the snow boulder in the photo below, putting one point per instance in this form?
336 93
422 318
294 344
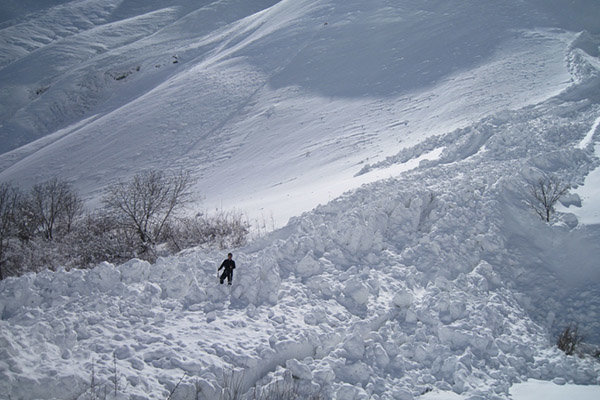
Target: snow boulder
570 199
152 293
308 266
106 278
402 394
195 295
324 374
356 290
349 392
18 294
402 299
355 347
298 369
134 271
355 296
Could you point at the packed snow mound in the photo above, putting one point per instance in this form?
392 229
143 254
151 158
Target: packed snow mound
274 98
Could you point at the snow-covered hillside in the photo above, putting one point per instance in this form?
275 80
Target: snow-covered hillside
432 279
274 111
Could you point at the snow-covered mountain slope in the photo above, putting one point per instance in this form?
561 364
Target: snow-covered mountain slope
274 111
438 282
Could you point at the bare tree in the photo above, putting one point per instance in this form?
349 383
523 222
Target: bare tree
147 202
9 200
54 203
73 208
545 193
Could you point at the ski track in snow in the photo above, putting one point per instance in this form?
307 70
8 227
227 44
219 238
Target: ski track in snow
437 282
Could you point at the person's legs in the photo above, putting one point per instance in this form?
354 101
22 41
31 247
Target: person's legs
230 277
223 276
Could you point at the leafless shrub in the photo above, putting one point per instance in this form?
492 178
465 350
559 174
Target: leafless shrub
100 237
284 390
224 229
103 389
46 228
54 205
9 201
569 339
262 225
96 390
31 223
233 383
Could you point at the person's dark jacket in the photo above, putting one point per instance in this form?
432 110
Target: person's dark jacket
228 264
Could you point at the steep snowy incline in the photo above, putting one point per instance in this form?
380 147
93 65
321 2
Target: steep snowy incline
64 64
438 282
278 103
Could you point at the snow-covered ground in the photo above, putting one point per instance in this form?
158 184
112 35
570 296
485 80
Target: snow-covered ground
535 389
432 279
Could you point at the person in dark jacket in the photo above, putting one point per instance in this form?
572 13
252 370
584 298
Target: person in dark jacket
228 265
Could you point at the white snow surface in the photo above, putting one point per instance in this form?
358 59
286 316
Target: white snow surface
589 197
273 111
535 389
430 279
